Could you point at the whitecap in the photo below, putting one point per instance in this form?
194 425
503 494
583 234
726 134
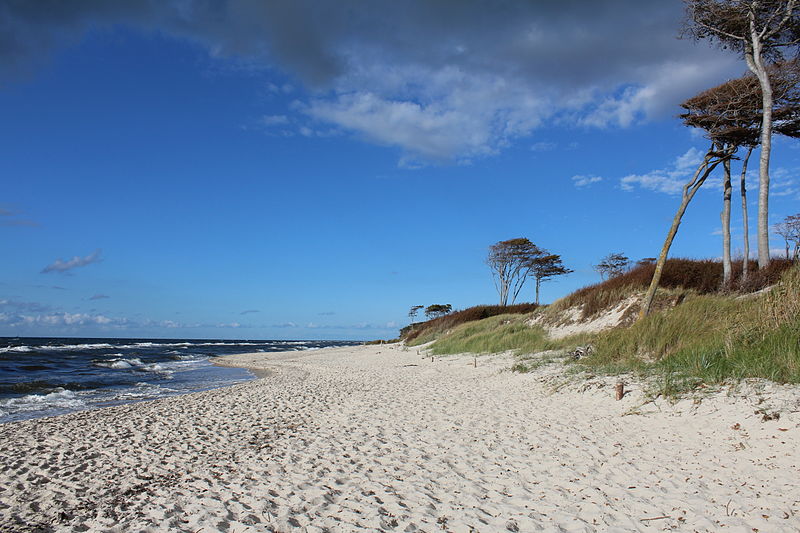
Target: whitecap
16 349
58 399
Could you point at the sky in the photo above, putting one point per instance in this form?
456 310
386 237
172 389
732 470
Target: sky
298 169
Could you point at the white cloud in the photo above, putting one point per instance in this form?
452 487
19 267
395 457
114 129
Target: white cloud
583 181
668 180
439 80
59 319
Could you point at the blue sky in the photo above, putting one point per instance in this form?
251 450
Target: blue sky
300 174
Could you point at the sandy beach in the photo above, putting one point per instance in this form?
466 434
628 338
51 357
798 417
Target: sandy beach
381 438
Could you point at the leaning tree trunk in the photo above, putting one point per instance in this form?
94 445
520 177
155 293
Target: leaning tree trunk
538 284
756 64
725 216
745 220
689 190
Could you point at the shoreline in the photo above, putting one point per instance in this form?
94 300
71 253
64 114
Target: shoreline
380 438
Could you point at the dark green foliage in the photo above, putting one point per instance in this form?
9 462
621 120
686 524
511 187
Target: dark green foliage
382 341
437 310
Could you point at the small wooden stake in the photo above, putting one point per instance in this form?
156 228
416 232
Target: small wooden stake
620 389
431 359
476 362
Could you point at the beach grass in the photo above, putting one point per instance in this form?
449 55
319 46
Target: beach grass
499 334
711 339
700 339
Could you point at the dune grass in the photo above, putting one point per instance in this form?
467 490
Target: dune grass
707 339
499 334
711 339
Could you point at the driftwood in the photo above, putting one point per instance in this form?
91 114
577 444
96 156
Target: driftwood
581 352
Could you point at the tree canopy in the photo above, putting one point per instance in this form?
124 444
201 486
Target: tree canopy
437 310
761 31
510 264
545 267
613 265
731 113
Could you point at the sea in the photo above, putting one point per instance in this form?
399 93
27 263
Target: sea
52 376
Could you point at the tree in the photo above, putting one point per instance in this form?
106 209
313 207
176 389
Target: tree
714 156
731 115
510 264
437 310
758 30
612 265
412 313
789 229
645 261
545 267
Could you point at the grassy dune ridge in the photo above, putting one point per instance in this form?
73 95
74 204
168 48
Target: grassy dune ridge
696 336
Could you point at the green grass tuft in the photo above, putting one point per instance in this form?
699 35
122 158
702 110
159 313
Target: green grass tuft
499 334
711 339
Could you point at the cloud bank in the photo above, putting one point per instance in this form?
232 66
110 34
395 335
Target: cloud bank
446 80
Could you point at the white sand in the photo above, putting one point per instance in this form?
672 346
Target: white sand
378 438
571 321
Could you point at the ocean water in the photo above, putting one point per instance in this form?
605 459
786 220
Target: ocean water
49 376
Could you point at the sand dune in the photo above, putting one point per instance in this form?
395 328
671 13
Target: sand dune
379 438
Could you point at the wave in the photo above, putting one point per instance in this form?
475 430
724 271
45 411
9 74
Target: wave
137 345
55 348
140 391
16 349
58 399
136 364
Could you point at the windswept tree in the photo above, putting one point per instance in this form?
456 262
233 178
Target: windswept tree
730 114
789 230
546 267
759 30
437 310
412 313
714 156
644 261
510 264
612 265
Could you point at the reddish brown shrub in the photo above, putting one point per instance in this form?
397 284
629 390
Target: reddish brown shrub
701 275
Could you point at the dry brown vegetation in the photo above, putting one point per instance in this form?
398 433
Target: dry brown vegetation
699 276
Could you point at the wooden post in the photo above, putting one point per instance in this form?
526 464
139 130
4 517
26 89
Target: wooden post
620 390
476 362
